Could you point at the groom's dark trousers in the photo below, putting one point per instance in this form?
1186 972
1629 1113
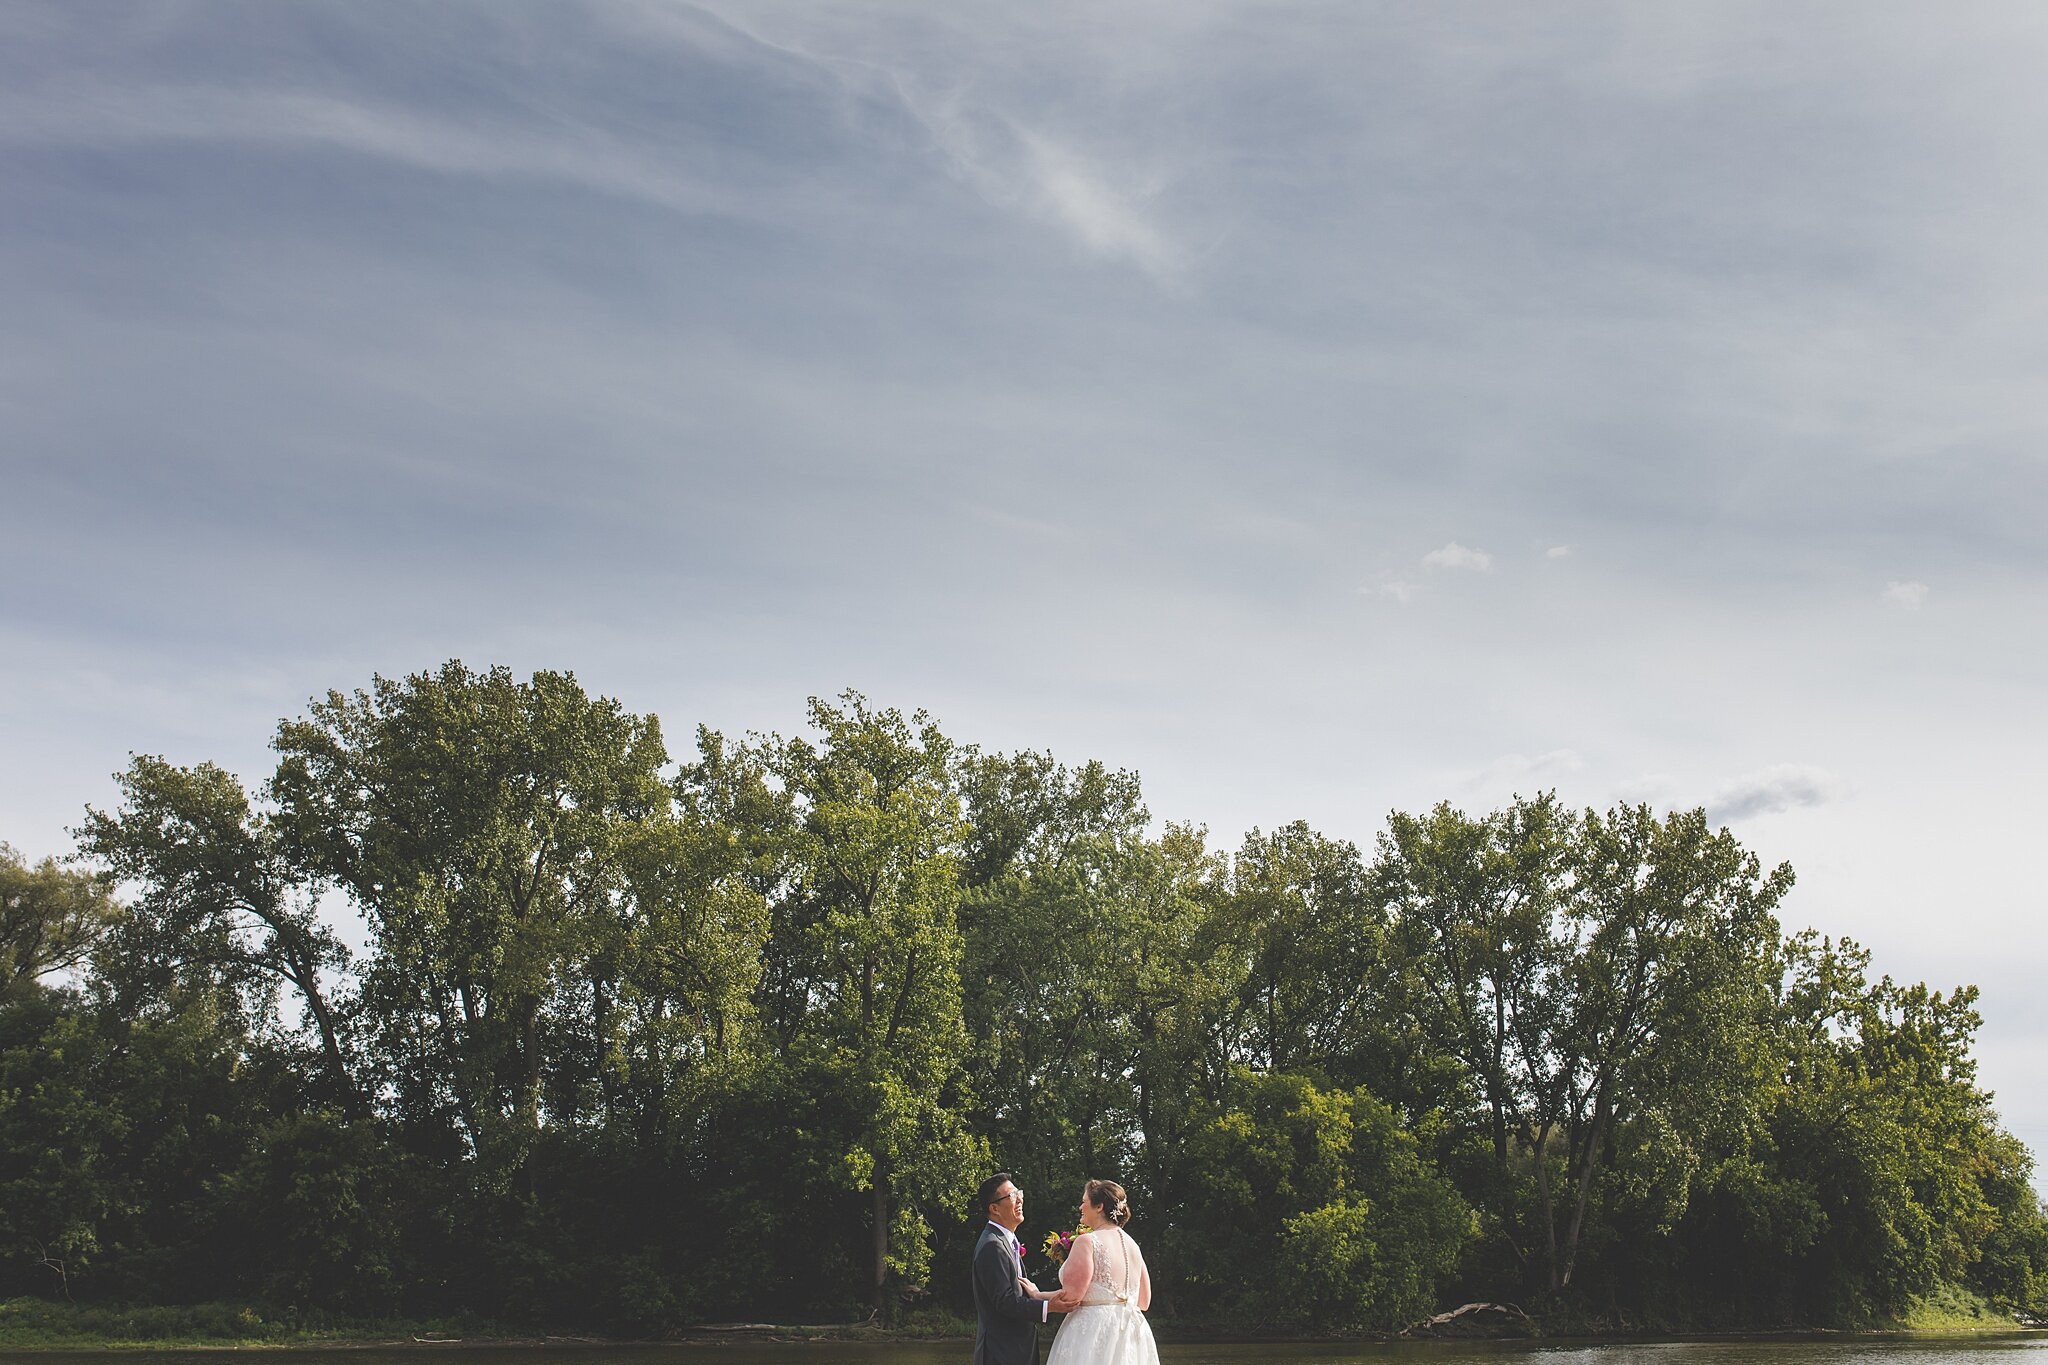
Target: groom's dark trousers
1007 1318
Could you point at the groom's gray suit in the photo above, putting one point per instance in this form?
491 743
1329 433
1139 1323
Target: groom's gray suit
1007 1318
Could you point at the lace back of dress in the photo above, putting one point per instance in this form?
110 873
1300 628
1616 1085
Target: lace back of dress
1114 1283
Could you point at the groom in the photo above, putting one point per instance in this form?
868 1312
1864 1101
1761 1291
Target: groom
1007 1320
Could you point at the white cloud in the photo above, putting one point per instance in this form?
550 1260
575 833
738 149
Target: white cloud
1400 588
1393 589
1456 556
1780 787
1098 208
1012 164
1909 595
110 117
1026 171
1558 552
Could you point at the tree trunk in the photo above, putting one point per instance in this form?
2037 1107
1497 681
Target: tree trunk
881 1239
1588 1160
305 975
601 1023
1549 1209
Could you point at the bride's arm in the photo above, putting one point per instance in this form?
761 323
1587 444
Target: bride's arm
1075 1273
1144 1287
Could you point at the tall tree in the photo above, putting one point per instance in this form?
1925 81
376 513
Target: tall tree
868 915
483 825
1185 971
51 918
216 893
1047 971
1317 971
1473 904
1671 929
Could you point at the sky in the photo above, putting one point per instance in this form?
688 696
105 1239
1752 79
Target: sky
1321 409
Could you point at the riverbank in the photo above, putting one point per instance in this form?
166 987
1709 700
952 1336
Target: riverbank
39 1325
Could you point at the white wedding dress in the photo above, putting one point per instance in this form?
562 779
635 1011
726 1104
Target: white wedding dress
1108 1328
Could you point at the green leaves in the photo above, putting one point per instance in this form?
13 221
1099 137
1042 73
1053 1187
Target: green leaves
1313 1211
863 832
51 919
220 910
633 1044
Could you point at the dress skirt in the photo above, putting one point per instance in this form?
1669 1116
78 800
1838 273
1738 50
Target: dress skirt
1104 1334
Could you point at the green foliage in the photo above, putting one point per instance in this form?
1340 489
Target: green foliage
26 1322
866 834
312 1215
110 1130
1315 1211
635 1045
51 918
220 910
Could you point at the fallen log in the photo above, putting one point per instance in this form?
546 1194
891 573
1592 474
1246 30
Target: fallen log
1471 1319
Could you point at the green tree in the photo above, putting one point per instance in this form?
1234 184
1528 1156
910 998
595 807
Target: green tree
1048 964
867 988
313 1215
1586 972
1185 972
1316 987
217 895
1473 905
114 1131
1882 1121
1669 925
486 827
51 919
1317 1211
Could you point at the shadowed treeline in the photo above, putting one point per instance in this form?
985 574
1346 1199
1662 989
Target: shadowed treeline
636 1044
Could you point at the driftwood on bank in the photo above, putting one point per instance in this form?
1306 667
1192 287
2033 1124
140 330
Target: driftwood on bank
1473 1319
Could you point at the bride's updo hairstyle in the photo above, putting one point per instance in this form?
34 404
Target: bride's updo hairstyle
1109 1196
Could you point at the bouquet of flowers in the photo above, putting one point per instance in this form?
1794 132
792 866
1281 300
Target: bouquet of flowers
1058 1244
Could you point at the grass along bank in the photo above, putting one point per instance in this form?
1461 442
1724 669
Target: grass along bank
41 1324
28 1323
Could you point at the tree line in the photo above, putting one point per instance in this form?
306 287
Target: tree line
634 1043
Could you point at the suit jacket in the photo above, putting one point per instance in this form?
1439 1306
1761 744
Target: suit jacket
1006 1317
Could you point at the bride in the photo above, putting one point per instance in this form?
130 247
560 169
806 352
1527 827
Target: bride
1104 1288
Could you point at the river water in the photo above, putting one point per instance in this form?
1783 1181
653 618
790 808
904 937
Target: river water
2019 1349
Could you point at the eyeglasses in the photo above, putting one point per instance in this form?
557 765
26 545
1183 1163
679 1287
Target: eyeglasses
1014 1193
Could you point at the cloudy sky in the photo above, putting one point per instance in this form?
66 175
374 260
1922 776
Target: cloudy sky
1320 408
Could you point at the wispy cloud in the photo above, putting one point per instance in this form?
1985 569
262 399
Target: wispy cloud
1390 589
1096 206
1909 595
1456 556
105 117
1768 791
1100 209
1558 552
1097 201
1526 772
